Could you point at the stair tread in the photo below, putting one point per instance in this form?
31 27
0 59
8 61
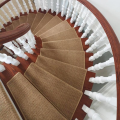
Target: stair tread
7 110
46 18
31 102
31 18
10 27
68 44
53 22
23 19
37 20
54 90
70 74
16 23
62 26
76 58
66 34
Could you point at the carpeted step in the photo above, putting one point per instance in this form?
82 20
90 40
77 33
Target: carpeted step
68 44
63 96
67 34
47 17
53 22
64 25
72 57
31 18
10 27
23 19
70 74
37 20
31 102
7 110
16 23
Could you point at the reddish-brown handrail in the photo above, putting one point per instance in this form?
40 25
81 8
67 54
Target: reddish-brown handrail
4 2
114 44
14 34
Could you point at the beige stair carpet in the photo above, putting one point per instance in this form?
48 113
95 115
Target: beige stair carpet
53 22
67 34
64 25
70 74
16 23
7 110
63 96
31 18
10 27
23 19
76 58
47 17
31 102
37 20
68 44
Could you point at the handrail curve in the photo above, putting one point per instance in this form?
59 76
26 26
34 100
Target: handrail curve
115 45
4 2
14 34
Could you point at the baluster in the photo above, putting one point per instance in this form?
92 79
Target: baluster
30 4
79 16
15 43
75 12
70 9
102 65
9 60
100 53
9 51
57 7
36 5
2 68
20 7
25 6
52 6
25 45
6 15
91 113
64 5
102 41
16 50
102 79
41 5
99 97
14 8
4 21
46 5
91 38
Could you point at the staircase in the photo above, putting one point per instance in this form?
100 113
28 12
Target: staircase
45 67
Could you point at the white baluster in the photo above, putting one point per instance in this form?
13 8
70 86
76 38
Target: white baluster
102 41
10 11
2 25
91 38
75 12
2 68
41 5
30 4
64 5
57 7
6 15
102 79
20 7
84 21
99 97
102 65
100 53
16 50
8 59
25 45
46 5
79 16
91 113
25 6
70 9
37 5
15 43
52 6
9 51
14 8
4 21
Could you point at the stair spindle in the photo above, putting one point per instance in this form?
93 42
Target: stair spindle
64 7
52 6
4 21
102 79
57 7
25 6
2 68
30 4
37 5
20 7
101 98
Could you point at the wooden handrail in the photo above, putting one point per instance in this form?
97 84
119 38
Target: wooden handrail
14 34
115 45
4 2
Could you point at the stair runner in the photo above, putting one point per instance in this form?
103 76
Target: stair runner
51 88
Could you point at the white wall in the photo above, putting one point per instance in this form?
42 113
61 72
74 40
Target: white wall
111 11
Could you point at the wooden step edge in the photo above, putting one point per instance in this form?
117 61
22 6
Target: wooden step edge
87 62
8 23
16 18
42 11
25 13
54 13
30 11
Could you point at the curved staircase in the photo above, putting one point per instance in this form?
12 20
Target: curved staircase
49 84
